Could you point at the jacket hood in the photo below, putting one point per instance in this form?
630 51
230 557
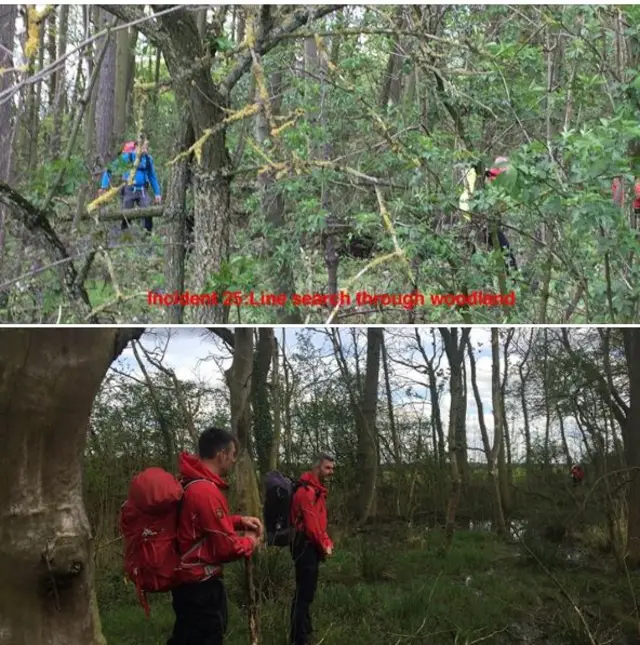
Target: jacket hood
191 467
312 480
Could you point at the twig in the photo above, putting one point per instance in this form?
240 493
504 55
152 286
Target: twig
52 67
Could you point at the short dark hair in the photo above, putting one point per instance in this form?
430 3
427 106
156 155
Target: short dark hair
324 456
214 440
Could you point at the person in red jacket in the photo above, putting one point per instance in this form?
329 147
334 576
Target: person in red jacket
577 474
618 193
310 545
207 539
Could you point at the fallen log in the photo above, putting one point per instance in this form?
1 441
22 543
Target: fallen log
106 215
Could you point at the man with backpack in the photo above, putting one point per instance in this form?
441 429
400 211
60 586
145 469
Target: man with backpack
179 532
310 543
135 193
207 539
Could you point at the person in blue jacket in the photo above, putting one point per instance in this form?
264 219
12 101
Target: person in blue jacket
136 194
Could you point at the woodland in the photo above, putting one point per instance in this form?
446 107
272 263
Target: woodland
313 149
453 513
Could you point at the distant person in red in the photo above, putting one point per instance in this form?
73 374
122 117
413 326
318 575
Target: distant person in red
618 193
311 543
577 474
500 165
207 539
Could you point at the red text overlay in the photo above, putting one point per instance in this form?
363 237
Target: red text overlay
264 299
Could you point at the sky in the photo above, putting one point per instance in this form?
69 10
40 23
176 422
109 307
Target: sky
195 354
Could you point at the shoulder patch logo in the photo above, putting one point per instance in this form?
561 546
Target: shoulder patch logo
219 513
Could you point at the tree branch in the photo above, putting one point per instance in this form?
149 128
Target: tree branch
35 221
225 333
124 336
267 41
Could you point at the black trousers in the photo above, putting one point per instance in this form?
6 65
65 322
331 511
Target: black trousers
132 197
307 563
201 613
510 260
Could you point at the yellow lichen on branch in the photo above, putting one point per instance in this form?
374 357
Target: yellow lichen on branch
324 54
105 198
34 20
196 148
276 132
386 218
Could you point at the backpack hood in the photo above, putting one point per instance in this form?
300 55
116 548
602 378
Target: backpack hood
191 467
312 480
129 146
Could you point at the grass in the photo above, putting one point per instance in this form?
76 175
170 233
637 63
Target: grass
403 589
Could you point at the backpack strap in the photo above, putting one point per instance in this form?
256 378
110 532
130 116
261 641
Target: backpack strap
199 543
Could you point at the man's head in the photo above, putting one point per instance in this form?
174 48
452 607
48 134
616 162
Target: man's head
324 466
501 161
144 147
218 449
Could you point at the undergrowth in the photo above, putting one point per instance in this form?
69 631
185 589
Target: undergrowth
407 589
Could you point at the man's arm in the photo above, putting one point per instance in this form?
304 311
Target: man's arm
310 519
153 179
218 523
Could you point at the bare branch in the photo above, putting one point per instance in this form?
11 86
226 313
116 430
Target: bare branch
35 221
267 41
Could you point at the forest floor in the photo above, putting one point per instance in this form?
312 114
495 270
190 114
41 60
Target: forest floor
394 585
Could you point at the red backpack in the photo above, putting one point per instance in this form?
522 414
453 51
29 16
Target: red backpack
149 521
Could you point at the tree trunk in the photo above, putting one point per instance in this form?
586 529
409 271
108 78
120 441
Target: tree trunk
461 425
33 102
276 397
48 382
391 83
547 404
50 36
211 183
631 435
248 495
455 355
476 393
367 436
8 15
106 98
123 53
364 404
262 422
395 439
498 440
175 213
59 102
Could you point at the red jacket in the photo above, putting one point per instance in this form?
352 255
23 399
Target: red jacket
206 529
309 511
618 193
577 472
492 173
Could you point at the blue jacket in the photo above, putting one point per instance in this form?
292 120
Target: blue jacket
145 172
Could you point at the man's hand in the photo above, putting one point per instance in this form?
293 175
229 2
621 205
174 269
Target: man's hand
253 524
328 551
158 199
